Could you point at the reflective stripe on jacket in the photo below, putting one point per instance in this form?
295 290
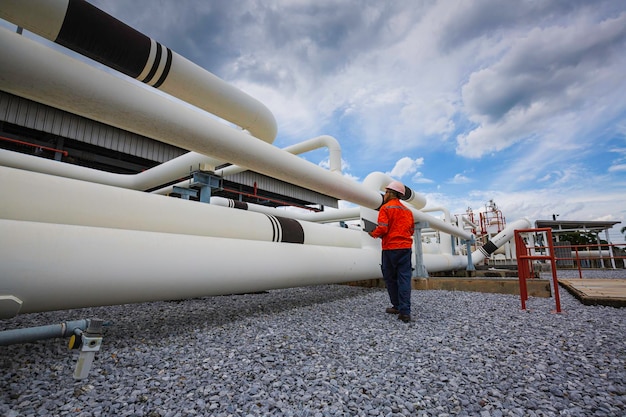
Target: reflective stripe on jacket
395 226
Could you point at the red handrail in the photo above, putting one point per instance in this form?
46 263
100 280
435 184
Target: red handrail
591 247
524 264
21 142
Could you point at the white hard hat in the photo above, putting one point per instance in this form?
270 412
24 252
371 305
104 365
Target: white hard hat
396 186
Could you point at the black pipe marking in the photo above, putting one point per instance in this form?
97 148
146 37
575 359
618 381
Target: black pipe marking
275 228
240 205
286 230
292 230
155 64
166 70
408 193
99 36
489 248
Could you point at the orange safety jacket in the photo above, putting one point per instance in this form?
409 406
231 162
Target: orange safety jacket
395 225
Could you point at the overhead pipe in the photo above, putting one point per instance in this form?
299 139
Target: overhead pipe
83 28
42 74
469 222
160 174
329 142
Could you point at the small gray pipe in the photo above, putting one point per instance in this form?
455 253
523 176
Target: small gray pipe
32 334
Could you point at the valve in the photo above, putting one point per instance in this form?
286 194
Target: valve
89 342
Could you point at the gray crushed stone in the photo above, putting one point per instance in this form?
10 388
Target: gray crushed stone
328 351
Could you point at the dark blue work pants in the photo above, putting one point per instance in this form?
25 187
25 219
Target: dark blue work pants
396 267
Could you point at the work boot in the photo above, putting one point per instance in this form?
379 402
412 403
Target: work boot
392 310
404 317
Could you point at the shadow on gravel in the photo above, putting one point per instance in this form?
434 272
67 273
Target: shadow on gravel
182 316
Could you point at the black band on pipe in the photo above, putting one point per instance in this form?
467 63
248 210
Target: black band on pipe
99 36
292 230
155 64
166 70
489 248
240 205
286 230
275 228
408 193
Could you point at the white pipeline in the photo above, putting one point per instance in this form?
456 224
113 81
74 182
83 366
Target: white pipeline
41 267
68 201
308 145
134 54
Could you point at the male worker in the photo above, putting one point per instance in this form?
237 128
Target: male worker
396 226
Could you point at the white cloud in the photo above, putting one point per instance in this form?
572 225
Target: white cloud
459 179
405 166
548 75
419 178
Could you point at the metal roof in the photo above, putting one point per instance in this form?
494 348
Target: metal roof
575 225
30 114
263 182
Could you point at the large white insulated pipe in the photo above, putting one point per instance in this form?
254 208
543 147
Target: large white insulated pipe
49 266
85 29
68 201
41 74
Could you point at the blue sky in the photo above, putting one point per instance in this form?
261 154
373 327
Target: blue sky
464 101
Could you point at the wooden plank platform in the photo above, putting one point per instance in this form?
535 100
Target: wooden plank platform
590 291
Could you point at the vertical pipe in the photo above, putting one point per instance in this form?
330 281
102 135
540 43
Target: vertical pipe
555 282
522 267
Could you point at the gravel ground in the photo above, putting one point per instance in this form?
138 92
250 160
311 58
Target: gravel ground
329 351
